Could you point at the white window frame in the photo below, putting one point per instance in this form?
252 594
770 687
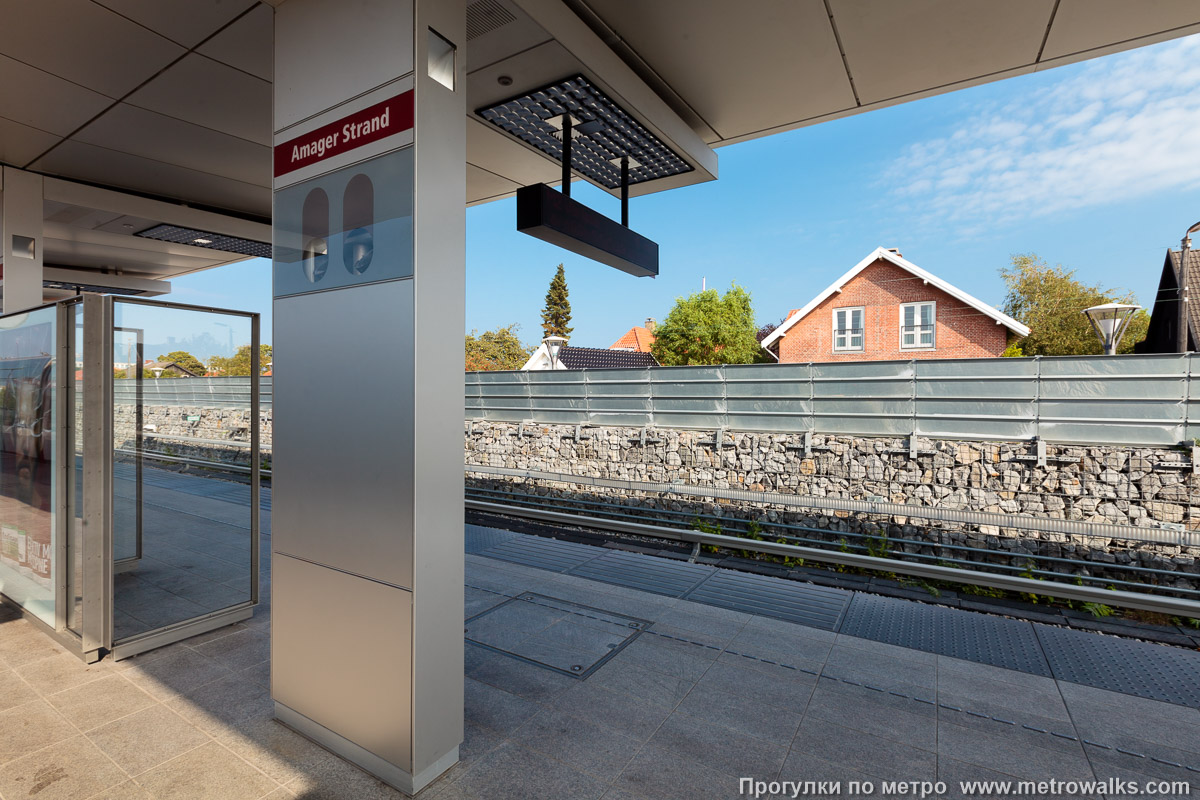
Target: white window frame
916 345
849 311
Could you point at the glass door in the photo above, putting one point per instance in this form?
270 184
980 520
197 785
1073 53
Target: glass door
184 471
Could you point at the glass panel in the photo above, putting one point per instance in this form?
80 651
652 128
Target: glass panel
27 469
181 452
927 314
908 316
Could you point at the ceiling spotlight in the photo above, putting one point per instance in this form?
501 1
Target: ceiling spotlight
504 80
201 240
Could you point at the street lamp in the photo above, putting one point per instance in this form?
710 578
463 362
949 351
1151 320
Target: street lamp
553 345
1184 247
1109 321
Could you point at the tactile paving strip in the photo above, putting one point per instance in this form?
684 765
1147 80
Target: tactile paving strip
968 635
552 555
478 538
1157 672
648 573
802 603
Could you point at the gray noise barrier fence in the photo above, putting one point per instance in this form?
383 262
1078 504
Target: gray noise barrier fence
193 392
1151 400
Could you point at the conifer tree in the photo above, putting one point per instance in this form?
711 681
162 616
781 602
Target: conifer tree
556 316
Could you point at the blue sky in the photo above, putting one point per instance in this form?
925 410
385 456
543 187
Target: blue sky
1095 166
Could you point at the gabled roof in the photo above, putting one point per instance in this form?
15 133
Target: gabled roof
637 339
1193 286
882 253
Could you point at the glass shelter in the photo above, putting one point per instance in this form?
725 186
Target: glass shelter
129 479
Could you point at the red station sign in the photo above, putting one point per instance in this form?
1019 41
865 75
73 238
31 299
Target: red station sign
387 118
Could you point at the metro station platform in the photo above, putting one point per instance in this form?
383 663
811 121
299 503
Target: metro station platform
600 673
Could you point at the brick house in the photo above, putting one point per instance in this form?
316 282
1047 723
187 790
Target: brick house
885 308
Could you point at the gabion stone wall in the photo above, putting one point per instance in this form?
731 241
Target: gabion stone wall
1142 487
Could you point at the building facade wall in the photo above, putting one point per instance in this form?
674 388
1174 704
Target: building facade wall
961 331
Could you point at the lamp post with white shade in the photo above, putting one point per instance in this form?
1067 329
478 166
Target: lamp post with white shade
1109 321
553 345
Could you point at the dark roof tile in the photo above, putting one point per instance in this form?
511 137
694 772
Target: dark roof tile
599 358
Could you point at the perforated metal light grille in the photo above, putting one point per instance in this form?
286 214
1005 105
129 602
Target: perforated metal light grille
604 132
207 240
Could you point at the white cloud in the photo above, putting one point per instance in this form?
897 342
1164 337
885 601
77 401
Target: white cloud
1117 128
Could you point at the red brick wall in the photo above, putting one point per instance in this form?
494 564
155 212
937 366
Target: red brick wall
962 331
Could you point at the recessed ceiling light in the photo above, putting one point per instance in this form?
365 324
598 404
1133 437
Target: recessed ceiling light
208 240
602 132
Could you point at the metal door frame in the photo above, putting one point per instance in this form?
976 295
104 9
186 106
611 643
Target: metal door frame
102 429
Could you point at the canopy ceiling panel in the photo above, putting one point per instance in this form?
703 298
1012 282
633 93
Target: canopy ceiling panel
1091 27
40 100
246 44
187 23
136 131
84 43
741 67
212 95
899 49
172 98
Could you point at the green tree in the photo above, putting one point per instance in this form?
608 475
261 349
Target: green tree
1051 300
556 316
709 328
239 363
183 359
498 349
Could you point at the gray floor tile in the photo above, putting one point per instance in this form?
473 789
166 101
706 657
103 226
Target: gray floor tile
769 684
61 671
31 726
781 647
98 702
880 669
227 701
278 751
496 709
511 772
14 690
955 773
1025 758
887 759
147 738
181 671
65 771
595 749
644 684
210 772
658 774
757 717
1041 696
238 650
802 766
518 677
653 653
336 779
719 747
23 643
129 790
623 713
854 709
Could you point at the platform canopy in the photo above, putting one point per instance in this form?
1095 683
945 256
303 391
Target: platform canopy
169 102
